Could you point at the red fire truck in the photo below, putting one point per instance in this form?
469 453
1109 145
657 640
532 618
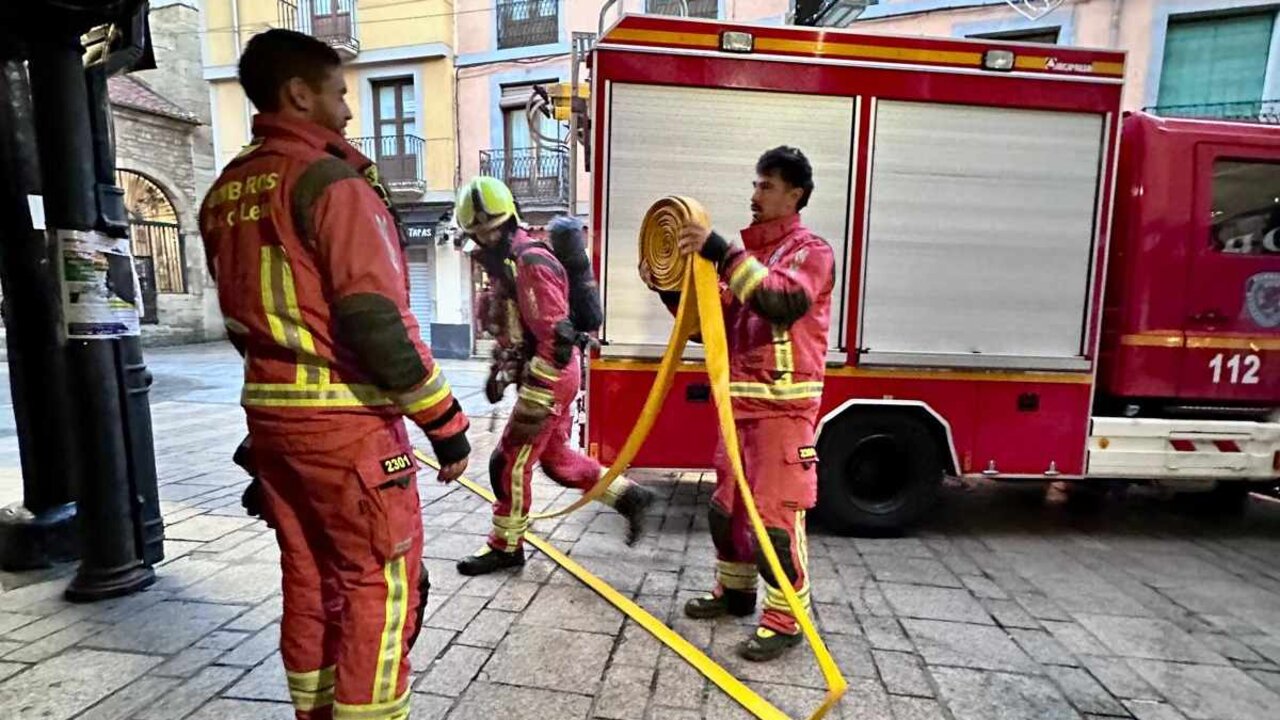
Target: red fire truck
1030 284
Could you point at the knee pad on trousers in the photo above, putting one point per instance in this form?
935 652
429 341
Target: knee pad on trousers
424 589
781 542
721 530
497 463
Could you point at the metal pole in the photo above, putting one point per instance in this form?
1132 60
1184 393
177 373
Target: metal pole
132 377
573 129
41 529
112 558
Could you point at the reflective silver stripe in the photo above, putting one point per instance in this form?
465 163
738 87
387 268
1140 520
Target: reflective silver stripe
780 391
433 391
285 395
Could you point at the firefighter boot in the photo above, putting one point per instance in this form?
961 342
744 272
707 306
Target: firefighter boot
738 603
488 560
634 506
766 645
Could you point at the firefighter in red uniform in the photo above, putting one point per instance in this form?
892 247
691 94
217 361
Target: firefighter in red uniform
529 308
777 310
312 285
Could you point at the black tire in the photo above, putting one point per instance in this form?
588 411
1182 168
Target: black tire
1226 499
878 473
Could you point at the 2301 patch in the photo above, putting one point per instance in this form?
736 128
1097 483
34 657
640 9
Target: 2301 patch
396 464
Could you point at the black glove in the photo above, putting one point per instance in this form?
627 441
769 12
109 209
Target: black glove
493 390
251 499
424 589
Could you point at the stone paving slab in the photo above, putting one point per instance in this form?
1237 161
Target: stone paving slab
1003 605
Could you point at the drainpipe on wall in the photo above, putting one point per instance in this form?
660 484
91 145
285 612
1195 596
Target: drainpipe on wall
457 141
236 27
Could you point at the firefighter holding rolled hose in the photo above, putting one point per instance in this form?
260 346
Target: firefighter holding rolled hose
777 298
539 307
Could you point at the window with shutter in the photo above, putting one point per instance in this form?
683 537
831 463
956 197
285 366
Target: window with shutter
1216 61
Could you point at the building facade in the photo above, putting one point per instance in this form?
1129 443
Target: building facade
505 49
164 156
399 67
1212 58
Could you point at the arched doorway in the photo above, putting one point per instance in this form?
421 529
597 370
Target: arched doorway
156 238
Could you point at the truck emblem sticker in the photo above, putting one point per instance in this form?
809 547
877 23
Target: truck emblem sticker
1057 65
1034 9
1262 299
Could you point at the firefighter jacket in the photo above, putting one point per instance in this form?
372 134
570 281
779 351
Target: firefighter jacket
313 288
528 305
777 307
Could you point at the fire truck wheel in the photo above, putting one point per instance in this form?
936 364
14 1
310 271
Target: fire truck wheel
878 474
1226 499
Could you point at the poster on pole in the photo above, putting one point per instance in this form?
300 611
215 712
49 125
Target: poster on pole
101 298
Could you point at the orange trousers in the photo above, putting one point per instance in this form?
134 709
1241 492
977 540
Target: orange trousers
780 466
349 527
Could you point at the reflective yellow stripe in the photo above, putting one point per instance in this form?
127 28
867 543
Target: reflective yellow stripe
306 701
737 576
311 690
388 671
802 542
517 495
616 489
312 386
780 391
544 370
783 356
280 302
775 600
747 277
534 395
397 709
430 393
282 395
509 530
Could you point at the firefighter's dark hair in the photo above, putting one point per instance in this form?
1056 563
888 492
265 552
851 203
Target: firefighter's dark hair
792 166
274 57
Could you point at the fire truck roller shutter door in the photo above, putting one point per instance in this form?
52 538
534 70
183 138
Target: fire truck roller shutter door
880 467
710 140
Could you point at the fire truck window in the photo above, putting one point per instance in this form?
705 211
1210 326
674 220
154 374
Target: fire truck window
1245 219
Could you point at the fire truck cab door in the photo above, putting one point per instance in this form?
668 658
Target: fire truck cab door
1232 324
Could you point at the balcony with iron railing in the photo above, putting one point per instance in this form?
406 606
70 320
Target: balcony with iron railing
524 23
697 8
401 161
538 177
1266 112
328 20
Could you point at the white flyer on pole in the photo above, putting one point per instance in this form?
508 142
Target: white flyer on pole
101 298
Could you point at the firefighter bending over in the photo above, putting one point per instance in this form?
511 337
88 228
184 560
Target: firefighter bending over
312 284
776 315
529 307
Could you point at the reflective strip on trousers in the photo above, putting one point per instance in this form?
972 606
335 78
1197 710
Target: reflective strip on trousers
397 709
311 690
397 611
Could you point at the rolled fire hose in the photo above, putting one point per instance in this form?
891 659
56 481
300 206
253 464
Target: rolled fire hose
701 310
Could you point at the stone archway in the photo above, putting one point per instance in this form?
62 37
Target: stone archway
156 235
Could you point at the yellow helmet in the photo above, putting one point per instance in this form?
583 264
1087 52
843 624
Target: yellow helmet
484 204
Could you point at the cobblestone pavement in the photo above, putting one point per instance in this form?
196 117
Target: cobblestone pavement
1005 605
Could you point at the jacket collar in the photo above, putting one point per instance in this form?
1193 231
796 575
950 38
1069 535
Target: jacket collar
763 237
274 126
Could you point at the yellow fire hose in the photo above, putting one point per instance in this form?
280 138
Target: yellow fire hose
700 310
